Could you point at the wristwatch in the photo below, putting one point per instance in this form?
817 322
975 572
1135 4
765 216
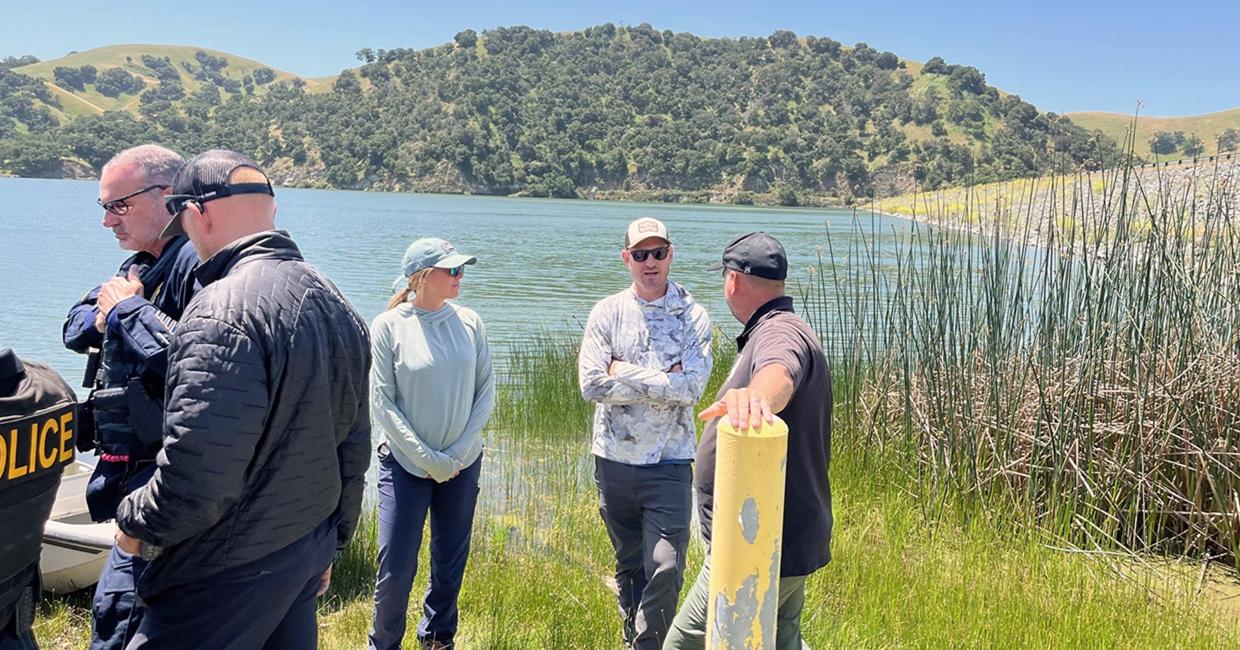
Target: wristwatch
148 552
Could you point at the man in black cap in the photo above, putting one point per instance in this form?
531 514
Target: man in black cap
37 427
266 429
780 370
123 325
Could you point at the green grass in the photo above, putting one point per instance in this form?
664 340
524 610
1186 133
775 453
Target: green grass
905 574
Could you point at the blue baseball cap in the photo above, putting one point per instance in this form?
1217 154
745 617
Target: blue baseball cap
430 252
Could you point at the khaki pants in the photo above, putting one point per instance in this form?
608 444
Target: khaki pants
689 627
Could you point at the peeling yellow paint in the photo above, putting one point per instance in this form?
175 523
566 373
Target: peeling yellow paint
746 534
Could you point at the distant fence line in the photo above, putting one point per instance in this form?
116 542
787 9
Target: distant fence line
1195 160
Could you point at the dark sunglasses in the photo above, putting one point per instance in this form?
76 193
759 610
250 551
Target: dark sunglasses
120 206
456 270
175 203
640 254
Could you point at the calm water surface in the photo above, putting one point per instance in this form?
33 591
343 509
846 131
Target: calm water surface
542 263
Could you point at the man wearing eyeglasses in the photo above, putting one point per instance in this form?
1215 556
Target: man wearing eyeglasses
124 326
644 360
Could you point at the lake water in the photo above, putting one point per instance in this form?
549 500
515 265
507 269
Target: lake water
542 263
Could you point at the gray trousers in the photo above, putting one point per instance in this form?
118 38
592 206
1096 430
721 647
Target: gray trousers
689 629
646 510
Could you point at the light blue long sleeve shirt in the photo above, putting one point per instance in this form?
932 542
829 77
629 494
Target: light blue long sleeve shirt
431 387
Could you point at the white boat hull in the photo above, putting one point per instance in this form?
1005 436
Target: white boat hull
75 549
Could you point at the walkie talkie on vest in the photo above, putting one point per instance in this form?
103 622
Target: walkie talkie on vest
92 368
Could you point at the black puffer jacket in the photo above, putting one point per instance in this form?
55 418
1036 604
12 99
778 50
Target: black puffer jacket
266 427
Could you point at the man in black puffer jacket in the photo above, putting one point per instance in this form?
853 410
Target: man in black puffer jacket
266 430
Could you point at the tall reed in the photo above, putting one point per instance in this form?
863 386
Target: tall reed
1075 361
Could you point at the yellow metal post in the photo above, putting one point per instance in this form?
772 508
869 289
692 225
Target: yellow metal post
746 534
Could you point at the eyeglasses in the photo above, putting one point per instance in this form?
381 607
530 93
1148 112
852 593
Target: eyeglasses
456 270
640 254
120 206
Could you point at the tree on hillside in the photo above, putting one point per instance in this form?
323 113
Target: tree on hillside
10 62
825 46
936 65
888 61
1228 140
782 39
1164 143
89 74
347 83
32 155
162 68
209 62
68 77
264 76
115 82
967 79
467 39
1193 146
96 138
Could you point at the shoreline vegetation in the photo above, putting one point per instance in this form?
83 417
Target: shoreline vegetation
909 570
1035 440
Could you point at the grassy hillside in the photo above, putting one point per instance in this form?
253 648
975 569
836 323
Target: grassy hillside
129 58
1208 127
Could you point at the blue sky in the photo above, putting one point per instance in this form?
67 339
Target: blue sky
1178 58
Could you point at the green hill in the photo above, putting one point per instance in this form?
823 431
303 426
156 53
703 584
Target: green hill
623 112
186 61
1209 128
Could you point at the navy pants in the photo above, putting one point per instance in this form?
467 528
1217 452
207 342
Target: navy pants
266 604
116 609
404 500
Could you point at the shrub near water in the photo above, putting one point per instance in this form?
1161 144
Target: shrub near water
1074 362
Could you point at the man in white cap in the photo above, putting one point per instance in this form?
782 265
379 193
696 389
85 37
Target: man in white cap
644 360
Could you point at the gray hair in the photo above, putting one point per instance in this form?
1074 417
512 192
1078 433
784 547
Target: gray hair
159 165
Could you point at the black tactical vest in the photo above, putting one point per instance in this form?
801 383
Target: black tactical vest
38 424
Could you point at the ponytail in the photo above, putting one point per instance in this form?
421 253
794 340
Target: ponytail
415 283
398 299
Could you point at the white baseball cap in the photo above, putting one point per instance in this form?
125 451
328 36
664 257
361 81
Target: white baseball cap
644 229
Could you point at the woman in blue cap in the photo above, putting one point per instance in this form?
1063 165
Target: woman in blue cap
432 392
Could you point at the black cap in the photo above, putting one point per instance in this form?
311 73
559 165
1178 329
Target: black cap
204 178
755 254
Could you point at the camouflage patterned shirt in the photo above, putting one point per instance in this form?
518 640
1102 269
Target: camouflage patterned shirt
644 414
